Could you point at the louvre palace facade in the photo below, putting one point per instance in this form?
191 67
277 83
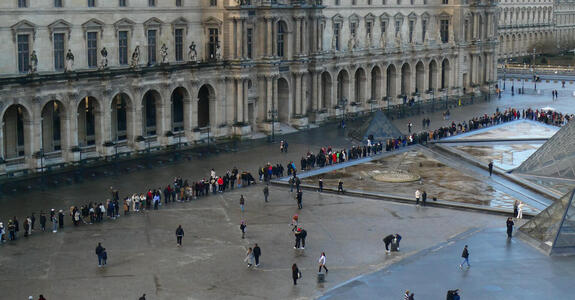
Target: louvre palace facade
92 78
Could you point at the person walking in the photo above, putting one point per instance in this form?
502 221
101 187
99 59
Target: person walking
322 263
408 296
299 196
465 255
179 235
257 253
520 210
515 208
417 196
54 222
320 185
291 182
510 227
42 221
266 192
242 203
100 253
340 186
490 165
295 274
243 226
249 257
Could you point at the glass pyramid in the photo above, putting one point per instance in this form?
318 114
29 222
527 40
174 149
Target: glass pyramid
556 158
553 230
378 126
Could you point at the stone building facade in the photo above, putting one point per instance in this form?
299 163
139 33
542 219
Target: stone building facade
92 78
564 12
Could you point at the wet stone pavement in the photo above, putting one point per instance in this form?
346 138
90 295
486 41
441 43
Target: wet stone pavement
143 257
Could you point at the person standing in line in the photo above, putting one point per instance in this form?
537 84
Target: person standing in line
242 203
299 196
61 219
54 223
320 185
490 165
291 183
42 221
322 263
515 208
510 227
249 257
143 297
257 253
409 125
100 253
243 226
41 297
465 255
417 196
340 186
295 274
520 210
179 235
408 296
266 192
33 221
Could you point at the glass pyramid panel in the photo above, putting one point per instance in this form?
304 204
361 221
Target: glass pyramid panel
566 237
546 225
556 158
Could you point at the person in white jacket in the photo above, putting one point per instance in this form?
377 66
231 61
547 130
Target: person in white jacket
417 196
520 210
322 263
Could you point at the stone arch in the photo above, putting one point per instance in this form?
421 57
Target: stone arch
359 85
432 76
284 99
53 126
16 129
326 90
122 117
405 79
391 76
180 96
375 83
445 74
152 116
89 118
419 77
206 104
342 85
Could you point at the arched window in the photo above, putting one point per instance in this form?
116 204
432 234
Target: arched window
281 35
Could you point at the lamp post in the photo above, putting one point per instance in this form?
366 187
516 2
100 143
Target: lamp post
343 103
273 114
504 72
533 70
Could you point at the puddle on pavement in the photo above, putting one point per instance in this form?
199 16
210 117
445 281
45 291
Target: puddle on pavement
437 179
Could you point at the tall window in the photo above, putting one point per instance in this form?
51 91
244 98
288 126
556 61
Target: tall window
423 29
444 31
281 39
58 3
178 3
353 28
123 47
368 28
92 49
444 1
179 44
383 27
122 3
213 2
152 47
22 3
353 2
151 3
59 51
23 53
337 2
91 3
212 42
411 25
397 27
336 34
249 38
466 30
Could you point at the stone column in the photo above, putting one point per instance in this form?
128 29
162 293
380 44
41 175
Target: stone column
304 94
239 100
245 100
275 93
297 36
269 24
274 44
304 36
297 77
316 91
237 38
269 95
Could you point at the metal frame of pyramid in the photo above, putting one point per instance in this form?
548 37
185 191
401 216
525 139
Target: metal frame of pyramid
553 230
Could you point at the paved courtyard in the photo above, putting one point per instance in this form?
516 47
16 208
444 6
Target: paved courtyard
143 257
